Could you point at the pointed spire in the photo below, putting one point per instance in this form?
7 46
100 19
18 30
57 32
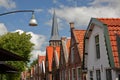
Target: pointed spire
54 33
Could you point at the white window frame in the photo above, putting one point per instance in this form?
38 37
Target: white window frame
97 44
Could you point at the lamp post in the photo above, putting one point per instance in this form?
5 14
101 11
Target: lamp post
32 22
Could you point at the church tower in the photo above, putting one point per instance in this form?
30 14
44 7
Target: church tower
55 38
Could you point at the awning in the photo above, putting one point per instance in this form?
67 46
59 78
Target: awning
5 68
9 56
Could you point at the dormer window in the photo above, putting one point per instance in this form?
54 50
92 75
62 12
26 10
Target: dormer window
97 46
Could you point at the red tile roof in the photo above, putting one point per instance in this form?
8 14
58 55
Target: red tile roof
49 51
79 34
68 45
41 58
113 29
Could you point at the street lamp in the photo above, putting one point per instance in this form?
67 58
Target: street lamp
32 22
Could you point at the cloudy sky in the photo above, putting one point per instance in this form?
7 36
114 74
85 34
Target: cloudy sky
78 11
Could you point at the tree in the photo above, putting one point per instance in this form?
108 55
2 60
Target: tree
19 44
34 63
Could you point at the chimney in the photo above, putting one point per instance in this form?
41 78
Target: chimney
71 25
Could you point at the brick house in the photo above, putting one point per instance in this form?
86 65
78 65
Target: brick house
64 55
102 49
41 67
76 53
55 63
54 44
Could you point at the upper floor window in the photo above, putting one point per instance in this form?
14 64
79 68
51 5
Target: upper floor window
72 54
78 73
69 74
97 46
98 75
62 55
73 74
108 74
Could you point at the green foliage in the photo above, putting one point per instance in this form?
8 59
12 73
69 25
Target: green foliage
34 63
19 44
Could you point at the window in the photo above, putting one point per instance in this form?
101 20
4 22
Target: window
72 54
62 57
98 75
91 75
78 73
69 74
108 74
63 75
73 74
97 46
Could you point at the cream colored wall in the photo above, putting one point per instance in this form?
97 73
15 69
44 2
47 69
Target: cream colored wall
93 63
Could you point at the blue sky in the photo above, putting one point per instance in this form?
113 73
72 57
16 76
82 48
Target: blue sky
78 11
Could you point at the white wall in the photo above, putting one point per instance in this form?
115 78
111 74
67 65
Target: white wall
93 63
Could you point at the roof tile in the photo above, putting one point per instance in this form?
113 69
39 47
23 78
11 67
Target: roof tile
41 58
49 52
113 25
79 34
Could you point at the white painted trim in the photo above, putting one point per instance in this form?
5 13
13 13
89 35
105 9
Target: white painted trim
43 66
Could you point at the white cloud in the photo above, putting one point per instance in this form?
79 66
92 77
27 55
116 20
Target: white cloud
35 54
38 10
38 40
54 1
49 23
82 15
3 29
59 21
110 3
8 4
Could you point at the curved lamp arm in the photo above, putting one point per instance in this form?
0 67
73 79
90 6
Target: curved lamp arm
32 22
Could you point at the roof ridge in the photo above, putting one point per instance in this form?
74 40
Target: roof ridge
109 18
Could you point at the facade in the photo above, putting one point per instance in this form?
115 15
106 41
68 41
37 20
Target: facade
50 53
41 67
64 55
25 75
101 54
54 46
48 63
55 63
37 72
76 53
